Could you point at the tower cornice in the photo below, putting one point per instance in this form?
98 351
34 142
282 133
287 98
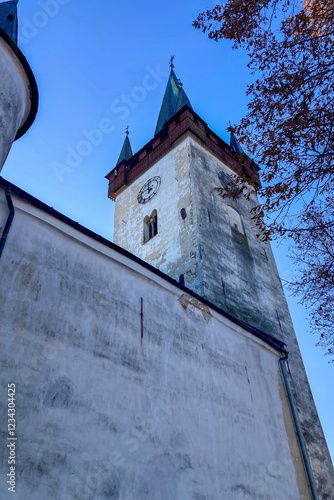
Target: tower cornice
185 120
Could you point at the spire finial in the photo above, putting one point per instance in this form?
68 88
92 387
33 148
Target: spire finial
174 99
171 65
127 130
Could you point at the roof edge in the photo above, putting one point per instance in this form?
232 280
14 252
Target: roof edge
28 198
186 119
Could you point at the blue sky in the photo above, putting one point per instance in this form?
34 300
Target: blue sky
104 65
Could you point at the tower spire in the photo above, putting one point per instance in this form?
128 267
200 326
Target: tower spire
234 143
174 99
8 18
126 151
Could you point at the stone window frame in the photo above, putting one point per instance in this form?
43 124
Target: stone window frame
150 228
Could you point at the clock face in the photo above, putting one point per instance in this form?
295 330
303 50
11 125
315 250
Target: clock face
227 182
149 189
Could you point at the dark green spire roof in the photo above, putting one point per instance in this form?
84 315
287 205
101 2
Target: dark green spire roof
174 99
8 19
234 143
126 151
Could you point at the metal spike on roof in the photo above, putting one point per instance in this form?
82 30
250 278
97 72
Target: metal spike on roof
126 152
235 144
174 99
8 19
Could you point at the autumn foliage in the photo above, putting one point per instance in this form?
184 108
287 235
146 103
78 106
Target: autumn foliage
289 131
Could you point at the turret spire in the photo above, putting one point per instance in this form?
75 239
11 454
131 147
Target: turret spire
8 18
126 151
174 99
234 143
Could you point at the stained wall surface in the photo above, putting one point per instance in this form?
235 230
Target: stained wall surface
240 275
174 250
218 251
176 403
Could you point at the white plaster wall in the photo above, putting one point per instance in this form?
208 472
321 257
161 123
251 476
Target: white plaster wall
174 249
14 98
240 274
234 270
194 410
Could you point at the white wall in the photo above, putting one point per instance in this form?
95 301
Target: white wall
174 249
233 269
194 410
14 98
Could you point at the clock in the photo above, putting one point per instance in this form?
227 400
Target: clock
149 189
228 183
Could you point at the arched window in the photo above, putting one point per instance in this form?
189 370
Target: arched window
235 219
150 226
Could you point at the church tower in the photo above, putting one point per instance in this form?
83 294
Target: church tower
19 94
168 213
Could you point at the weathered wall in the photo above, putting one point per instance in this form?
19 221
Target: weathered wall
240 275
14 98
194 410
174 249
230 266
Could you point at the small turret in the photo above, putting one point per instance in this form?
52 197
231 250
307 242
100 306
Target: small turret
126 151
19 94
8 19
234 143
